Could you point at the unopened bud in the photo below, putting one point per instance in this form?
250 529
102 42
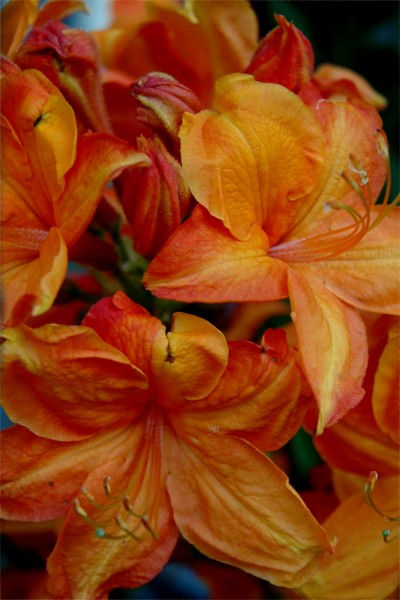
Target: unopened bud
155 198
284 56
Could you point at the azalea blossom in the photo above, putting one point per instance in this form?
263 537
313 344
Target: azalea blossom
286 194
134 432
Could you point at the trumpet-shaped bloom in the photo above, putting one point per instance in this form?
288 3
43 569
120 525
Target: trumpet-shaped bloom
134 432
52 183
286 191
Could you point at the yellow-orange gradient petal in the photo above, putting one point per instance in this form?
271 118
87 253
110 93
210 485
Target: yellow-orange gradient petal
362 566
327 75
366 276
190 360
386 392
236 506
333 345
39 484
257 398
65 382
352 148
86 565
253 158
100 157
16 17
203 262
58 10
31 285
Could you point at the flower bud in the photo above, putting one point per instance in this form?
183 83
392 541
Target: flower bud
68 57
163 102
155 198
284 56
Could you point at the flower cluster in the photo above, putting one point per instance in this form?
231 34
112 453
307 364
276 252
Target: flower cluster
167 169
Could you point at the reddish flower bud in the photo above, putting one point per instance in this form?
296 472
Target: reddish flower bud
284 56
163 101
69 58
155 198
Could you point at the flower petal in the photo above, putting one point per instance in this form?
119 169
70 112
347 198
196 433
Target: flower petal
64 382
203 262
333 345
30 287
257 398
236 506
16 17
258 155
40 476
99 158
367 276
363 566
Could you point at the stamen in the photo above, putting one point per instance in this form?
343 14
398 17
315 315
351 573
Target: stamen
126 529
369 501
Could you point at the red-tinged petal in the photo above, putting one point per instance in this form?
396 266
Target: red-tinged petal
59 9
329 76
86 565
44 123
203 262
65 383
352 148
333 346
284 56
386 396
362 566
40 476
258 155
94 251
190 360
100 157
16 17
128 327
257 398
30 287
357 444
367 275
236 506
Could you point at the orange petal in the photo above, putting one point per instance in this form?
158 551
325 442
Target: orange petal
125 562
58 10
256 398
45 127
259 155
362 566
367 276
236 506
100 157
386 397
328 76
127 326
191 360
351 140
333 346
64 382
203 262
30 287
16 17
39 484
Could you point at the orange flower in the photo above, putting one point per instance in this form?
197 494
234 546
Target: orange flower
145 431
52 182
289 189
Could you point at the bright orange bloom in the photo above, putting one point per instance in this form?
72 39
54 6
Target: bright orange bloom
52 181
135 432
272 176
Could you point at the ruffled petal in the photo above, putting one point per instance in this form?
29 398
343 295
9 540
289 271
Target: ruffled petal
362 566
65 383
236 506
39 477
333 346
367 276
257 157
257 398
99 158
203 262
